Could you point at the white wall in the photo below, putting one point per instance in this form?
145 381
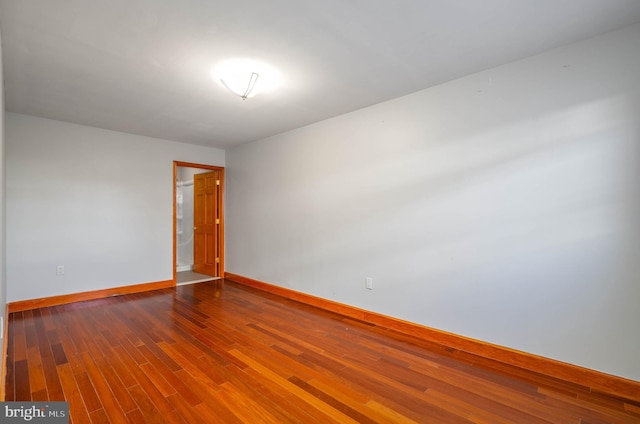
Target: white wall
3 273
186 173
98 202
502 206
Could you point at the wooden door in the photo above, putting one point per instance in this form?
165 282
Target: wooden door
207 201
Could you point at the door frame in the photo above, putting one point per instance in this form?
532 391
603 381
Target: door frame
177 164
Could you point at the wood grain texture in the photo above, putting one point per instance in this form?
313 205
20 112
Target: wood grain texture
24 305
595 380
223 352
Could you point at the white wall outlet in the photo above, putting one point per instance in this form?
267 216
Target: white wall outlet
60 270
1 326
368 283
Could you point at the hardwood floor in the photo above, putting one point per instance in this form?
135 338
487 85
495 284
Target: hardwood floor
219 352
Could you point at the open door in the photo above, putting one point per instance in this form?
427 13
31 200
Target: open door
207 192
207 205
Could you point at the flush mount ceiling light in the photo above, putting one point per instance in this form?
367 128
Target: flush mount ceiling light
246 77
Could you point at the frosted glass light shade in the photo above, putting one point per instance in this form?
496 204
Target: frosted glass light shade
247 77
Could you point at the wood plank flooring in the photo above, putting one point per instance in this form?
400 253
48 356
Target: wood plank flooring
219 352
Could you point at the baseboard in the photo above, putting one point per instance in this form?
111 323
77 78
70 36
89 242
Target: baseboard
5 344
23 305
183 268
595 380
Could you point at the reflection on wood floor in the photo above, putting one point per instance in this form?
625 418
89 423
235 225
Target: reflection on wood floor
219 352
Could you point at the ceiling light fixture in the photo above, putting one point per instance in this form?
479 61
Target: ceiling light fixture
252 83
246 77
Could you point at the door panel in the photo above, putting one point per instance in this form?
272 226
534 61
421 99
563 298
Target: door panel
206 219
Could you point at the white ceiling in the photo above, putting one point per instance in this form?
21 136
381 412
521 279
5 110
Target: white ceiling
142 66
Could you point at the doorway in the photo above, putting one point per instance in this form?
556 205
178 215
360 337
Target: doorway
198 236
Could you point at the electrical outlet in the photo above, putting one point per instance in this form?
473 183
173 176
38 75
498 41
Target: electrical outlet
60 270
1 326
368 283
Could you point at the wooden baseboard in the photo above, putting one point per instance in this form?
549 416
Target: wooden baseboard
3 369
23 305
595 380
